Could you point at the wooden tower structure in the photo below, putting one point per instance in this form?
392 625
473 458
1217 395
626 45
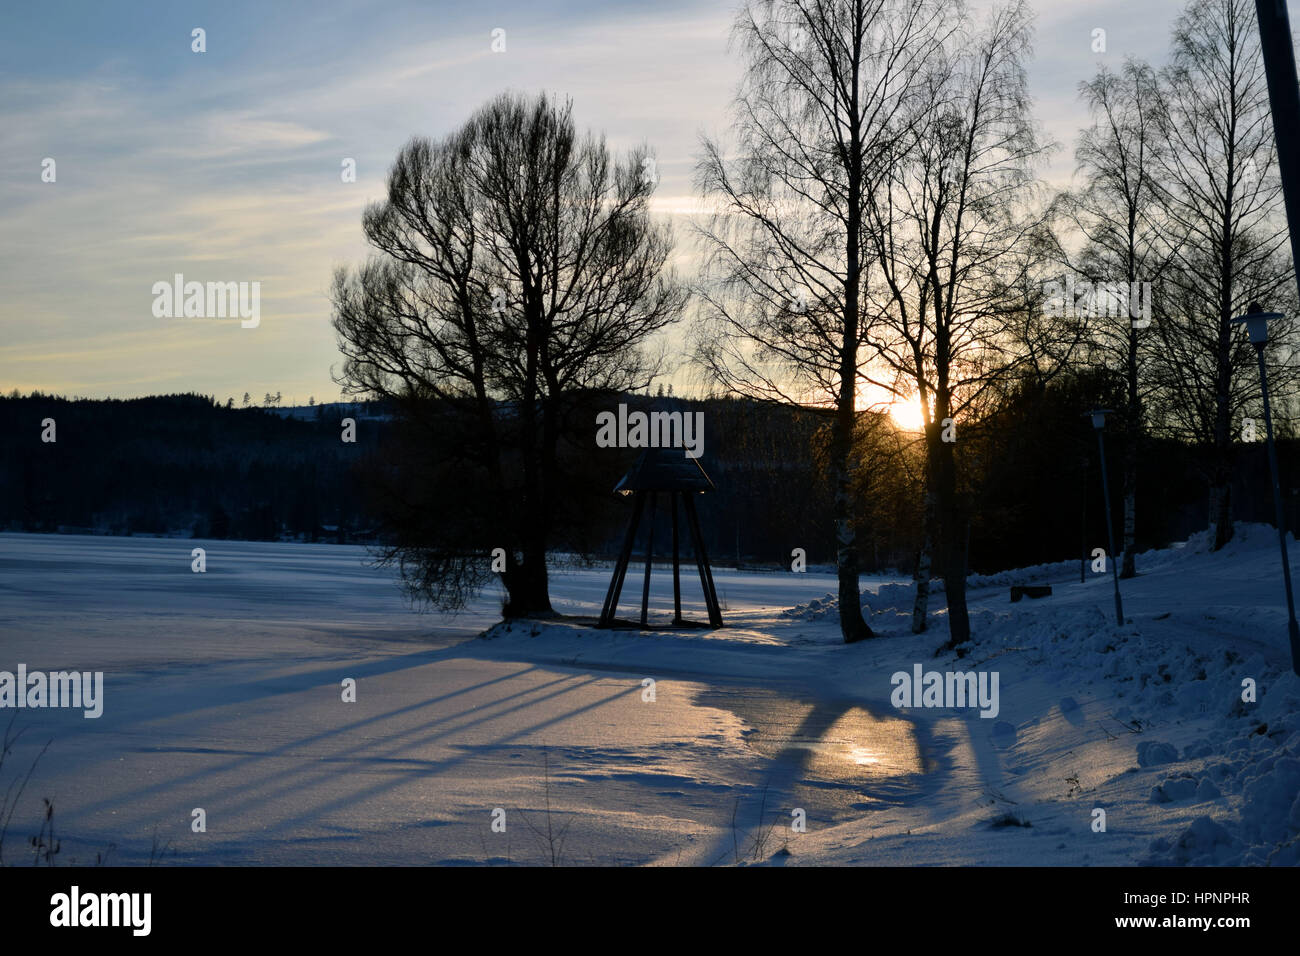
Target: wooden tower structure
664 471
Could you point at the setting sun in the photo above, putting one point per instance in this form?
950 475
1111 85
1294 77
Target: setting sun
908 415
905 413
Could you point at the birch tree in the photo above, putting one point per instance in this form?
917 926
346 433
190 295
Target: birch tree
829 86
956 232
1222 204
1116 214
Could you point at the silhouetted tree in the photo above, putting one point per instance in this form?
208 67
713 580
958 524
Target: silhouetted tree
956 235
1227 241
1117 214
829 86
518 271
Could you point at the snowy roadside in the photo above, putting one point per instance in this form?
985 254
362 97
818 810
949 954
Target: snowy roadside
1153 723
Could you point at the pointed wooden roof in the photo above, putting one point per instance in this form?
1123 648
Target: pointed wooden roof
665 469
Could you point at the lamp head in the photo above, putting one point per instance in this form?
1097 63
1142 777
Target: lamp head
1099 417
1256 321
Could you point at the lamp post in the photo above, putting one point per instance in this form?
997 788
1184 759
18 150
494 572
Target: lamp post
1099 423
1083 525
1256 321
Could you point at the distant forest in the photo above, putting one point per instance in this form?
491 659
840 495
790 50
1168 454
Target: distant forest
180 465
190 466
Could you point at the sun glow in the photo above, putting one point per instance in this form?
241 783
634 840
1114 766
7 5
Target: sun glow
904 412
907 414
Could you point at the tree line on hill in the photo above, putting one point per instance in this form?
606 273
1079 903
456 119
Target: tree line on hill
187 465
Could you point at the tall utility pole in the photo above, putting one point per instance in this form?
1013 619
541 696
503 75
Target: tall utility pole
1284 102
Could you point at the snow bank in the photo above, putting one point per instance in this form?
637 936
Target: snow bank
1195 689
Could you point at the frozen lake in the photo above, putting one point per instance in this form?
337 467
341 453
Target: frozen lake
223 692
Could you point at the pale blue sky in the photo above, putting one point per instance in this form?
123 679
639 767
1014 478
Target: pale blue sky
225 165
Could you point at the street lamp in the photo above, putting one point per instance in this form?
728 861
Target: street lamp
1083 524
1256 321
1099 423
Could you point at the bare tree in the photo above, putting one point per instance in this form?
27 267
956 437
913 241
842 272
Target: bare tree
957 234
1116 214
518 270
829 86
1221 201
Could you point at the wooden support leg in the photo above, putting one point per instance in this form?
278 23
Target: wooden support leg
620 568
702 559
649 560
677 568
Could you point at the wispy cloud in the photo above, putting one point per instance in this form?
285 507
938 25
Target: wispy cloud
225 165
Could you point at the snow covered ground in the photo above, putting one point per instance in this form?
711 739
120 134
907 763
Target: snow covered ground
224 691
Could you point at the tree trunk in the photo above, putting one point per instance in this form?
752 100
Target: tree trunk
1221 495
853 627
528 590
924 564
952 538
1222 515
1133 436
1221 507
527 582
